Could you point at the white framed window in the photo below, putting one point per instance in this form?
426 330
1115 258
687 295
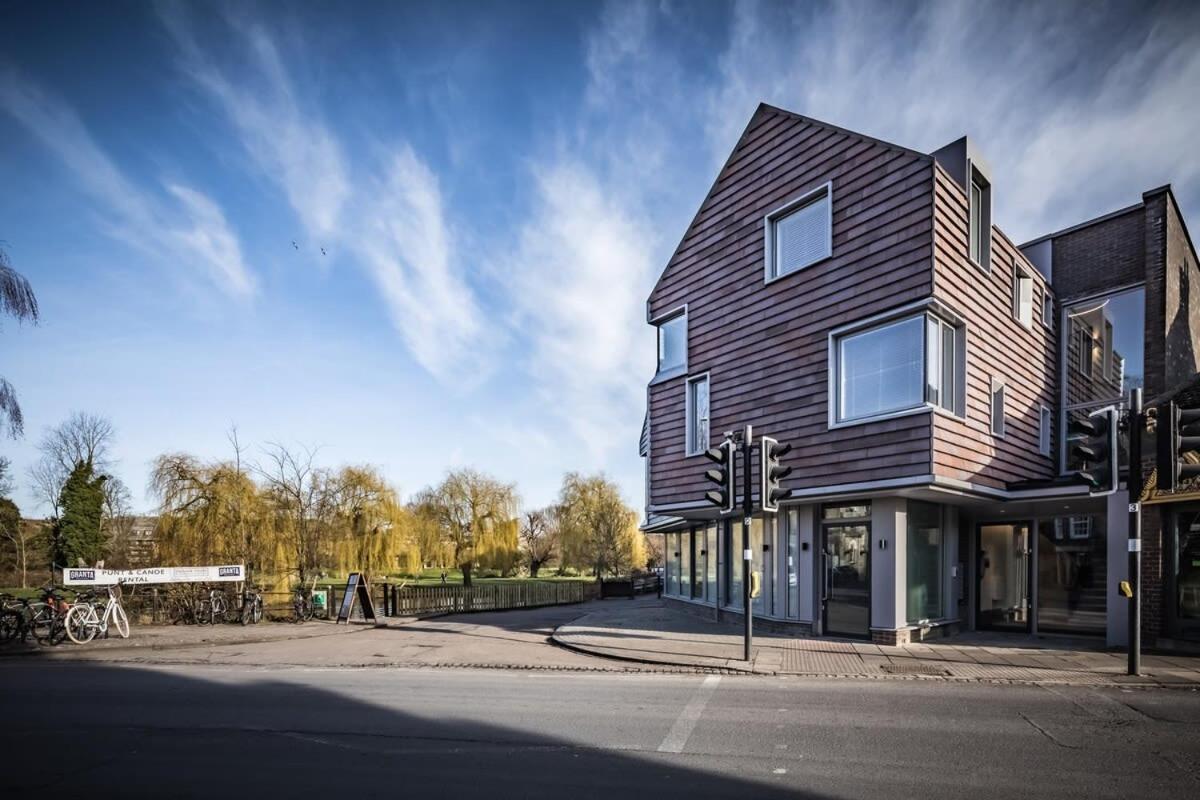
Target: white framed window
800 233
1047 309
998 392
1044 430
1022 295
697 415
979 232
672 342
896 367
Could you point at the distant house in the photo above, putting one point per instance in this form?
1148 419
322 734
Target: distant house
141 545
854 298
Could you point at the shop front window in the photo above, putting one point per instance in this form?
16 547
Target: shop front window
685 565
926 559
1187 573
710 566
1072 573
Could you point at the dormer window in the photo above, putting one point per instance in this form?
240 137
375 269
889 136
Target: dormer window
672 343
800 233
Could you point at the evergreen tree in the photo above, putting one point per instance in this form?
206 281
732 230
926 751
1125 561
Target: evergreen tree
77 534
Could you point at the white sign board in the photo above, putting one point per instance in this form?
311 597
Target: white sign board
87 576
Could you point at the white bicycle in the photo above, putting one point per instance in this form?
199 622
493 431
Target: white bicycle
83 621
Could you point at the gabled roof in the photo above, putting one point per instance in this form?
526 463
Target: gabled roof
766 110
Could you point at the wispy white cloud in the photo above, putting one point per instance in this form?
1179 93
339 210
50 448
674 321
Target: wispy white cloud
1055 97
403 237
290 143
193 229
385 211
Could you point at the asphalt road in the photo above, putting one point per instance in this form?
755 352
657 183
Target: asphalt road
108 730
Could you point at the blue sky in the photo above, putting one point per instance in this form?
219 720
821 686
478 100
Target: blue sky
495 186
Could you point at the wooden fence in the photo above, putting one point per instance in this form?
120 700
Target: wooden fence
421 600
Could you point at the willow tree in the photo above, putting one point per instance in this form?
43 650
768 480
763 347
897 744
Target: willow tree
211 512
369 528
469 507
598 531
18 301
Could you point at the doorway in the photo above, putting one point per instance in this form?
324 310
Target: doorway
1003 577
847 581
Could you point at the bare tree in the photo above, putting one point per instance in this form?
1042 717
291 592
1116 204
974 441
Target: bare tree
17 300
81 437
539 537
300 494
22 536
6 481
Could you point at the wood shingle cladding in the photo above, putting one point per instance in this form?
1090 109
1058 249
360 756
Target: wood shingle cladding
998 346
765 344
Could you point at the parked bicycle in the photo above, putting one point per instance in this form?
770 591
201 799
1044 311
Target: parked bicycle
252 606
303 607
43 618
84 620
212 607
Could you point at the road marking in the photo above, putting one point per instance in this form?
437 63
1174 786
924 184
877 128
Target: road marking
677 737
779 771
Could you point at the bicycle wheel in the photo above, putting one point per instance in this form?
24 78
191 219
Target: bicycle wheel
257 610
219 608
203 613
42 622
79 630
120 621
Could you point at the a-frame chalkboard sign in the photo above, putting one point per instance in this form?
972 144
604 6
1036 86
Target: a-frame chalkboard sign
356 587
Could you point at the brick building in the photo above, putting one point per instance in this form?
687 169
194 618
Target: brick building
853 298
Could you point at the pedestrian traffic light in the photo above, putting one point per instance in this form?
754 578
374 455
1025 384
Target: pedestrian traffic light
723 475
771 473
1096 447
1178 432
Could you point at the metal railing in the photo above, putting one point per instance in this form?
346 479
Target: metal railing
420 600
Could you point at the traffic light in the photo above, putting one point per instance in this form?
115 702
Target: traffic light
1097 450
1178 431
772 472
723 475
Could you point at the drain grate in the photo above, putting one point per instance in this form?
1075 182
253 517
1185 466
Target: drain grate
912 669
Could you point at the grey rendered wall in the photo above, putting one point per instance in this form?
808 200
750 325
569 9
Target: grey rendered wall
889 528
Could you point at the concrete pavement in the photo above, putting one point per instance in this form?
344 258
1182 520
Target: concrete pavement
648 632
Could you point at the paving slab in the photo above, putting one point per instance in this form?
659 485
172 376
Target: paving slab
649 631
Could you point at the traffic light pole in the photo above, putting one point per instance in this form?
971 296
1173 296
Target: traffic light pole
1136 426
747 517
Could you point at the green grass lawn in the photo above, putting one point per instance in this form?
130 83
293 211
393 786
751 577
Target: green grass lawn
17 591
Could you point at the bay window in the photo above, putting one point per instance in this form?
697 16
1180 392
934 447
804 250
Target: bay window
897 367
672 343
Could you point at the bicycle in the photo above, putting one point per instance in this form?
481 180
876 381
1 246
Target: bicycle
43 618
252 607
302 602
211 609
83 623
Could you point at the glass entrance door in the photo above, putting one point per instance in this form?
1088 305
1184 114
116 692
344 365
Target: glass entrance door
847 590
1003 570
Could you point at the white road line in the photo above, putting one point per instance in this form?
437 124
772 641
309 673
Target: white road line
677 737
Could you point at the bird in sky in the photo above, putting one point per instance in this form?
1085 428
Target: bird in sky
294 245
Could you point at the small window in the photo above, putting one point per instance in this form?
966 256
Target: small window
672 343
697 415
997 407
800 234
1047 310
1022 296
1044 431
979 233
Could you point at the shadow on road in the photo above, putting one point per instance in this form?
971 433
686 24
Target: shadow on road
150 733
